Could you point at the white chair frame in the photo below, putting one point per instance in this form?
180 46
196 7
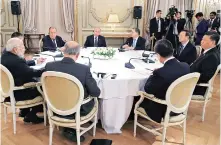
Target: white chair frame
170 108
208 94
10 94
76 109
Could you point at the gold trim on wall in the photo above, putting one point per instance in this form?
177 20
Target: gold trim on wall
145 17
76 20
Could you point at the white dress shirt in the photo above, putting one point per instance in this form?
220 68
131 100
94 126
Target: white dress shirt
54 41
207 50
159 24
134 42
95 39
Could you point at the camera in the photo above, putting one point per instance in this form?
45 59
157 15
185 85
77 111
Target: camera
172 11
189 13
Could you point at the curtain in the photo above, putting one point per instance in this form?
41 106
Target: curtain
68 16
29 15
39 15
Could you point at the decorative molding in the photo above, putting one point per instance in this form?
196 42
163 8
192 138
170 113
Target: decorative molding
76 4
104 20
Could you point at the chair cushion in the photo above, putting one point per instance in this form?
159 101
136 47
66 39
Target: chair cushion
37 99
64 120
173 119
198 97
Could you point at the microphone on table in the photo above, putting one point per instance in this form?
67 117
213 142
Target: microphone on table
147 60
90 64
129 65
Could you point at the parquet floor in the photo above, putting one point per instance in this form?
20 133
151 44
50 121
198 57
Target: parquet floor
198 133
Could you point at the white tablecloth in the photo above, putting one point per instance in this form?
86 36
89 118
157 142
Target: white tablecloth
116 97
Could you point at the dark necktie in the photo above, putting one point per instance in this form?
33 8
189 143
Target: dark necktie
181 49
210 23
96 42
53 40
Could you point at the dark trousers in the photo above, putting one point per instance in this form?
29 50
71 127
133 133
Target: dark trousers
199 90
27 94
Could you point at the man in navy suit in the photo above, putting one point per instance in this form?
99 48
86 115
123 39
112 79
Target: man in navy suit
201 28
95 40
158 83
186 52
52 41
135 42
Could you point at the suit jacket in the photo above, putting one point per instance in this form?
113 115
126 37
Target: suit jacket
90 41
21 73
201 29
140 45
206 65
82 73
180 24
48 44
158 83
154 26
188 55
215 25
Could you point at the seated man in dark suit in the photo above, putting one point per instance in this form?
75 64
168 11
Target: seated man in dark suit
186 52
208 62
82 73
52 41
135 42
95 40
30 62
13 60
158 83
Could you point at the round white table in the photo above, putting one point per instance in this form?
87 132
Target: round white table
117 94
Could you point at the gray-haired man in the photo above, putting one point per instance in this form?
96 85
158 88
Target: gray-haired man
82 73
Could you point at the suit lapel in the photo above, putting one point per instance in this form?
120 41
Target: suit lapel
92 39
203 55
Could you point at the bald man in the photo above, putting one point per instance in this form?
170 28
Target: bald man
13 60
95 40
82 72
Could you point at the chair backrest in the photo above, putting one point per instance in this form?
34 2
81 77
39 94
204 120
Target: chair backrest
40 45
198 50
214 76
63 92
7 82
179 93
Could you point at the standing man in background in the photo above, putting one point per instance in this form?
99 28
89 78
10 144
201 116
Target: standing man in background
52 41
95 40
180 22
201 28
214 22
157 27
